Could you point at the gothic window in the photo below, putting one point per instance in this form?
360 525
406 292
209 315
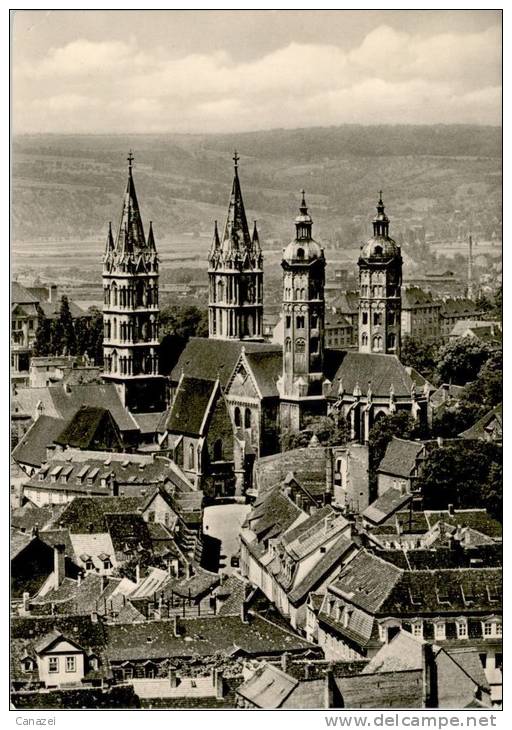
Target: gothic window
288 321
238 420
364 339
114 294
115 328
302 293
217 450
220 291
300 345
300 322
377 343
391 318
191 456
247 418
365 317
288 345
297 293
139 292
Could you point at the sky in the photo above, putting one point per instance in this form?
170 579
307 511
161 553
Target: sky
234 71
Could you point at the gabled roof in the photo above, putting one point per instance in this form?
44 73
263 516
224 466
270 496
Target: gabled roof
413 296
95 547
19 541
266 367
401 457
382 371
210 359
52 309
105 395
268 687
30 515
332 559
386 505
19 295
273 515
404 652
308 465
31 449
87 514
85 428
193 403
489 426
367 581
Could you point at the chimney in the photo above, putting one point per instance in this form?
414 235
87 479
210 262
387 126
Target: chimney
174 626
440 442
59 564
329 688
35 530
103 583
284 661
137 574
173 677
94 617
218 683
26 602
243 613
429 677
79 578
52 293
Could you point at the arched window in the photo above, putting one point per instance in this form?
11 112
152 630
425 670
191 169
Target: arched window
115 328
217 450
238 420
191 456
313 344
297 293
300 253
220 291
302 293
300 345
288 345
377 343
114 293
364 339
247 418
114 361
391 341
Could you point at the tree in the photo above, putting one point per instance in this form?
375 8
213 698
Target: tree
460 361
42 342
184 321
66 328
394 424
487 389
492 491
420 355
463 474
329 431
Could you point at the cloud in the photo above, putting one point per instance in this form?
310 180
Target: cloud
391 77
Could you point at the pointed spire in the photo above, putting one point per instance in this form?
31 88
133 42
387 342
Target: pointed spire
110 240
131 221
236 230
381 221
303 222
151 238
255 235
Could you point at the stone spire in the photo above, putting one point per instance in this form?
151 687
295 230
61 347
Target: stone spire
236 231
131 231
109 247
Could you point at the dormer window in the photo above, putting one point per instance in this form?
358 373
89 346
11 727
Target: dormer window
462 629
300 251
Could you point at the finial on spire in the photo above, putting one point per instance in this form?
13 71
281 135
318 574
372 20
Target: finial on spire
130 159
236 157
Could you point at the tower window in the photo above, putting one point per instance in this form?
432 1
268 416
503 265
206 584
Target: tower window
314 344
300 252
364 339
288 321
377 318
391 341
300 345
377 343
247 418
300 322
238 420
365 318
288 345
217 450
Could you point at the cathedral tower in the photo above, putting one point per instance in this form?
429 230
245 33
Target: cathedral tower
303 317
130 309
235 271
380 281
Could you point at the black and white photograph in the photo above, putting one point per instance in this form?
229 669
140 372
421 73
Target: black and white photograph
256 367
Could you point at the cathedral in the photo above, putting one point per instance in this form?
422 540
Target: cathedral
248 392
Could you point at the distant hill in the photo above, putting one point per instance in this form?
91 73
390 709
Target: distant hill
440 177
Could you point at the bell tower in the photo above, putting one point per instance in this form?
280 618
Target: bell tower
380 281
130 309
235 272
301 383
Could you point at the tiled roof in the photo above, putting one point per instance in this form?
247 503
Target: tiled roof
31 449
148 422
306 537
401 457
367 581
266 368
382 371
30 515
268 687
386 505
129 532
477 519
308 466
95 547
233 591
19 295
191 405
87 514
273 515
85 427
211 359
199 637
490 425
410 522
27 401
446 391
452 307
413 296
19 541
404 652
322 568
347 302
67 401
52 309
